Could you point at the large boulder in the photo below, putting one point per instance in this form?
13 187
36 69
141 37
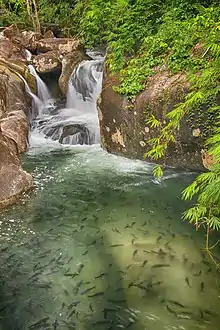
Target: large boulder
64 45
25 39
14 105
123 124
47 62
69 62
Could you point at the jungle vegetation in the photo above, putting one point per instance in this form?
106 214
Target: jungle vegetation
141 35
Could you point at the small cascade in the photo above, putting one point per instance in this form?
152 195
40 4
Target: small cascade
77 121
28 55
42 90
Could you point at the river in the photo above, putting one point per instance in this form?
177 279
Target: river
100 244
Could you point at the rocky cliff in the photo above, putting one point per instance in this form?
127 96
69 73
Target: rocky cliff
124 128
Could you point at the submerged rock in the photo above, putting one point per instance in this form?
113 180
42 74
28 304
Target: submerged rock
123 124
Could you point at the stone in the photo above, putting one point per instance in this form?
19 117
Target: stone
24 39
207 159
69 62
48 34
10 51
29 40
47 62
64 45
128 133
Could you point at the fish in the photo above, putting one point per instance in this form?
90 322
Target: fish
197 274
187 281
116 230
115 301
144 263
87 290
160 265
132 241
116 245
74 304
133 235
176 303
127 267
76 289
144 224
38 324
202 285
70 274
44 285
185 259
84 253
135 252
91 309
100 275
73 311
159 238
101 322
96 294
92 243
81 266
84 219
69 260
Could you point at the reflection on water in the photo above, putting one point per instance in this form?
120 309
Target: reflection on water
100 245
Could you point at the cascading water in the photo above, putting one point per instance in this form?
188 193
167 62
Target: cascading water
77 123
42 90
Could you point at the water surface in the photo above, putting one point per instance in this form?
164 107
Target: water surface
100 244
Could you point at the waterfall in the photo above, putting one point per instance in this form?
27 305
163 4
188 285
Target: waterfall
28 55
76 122
42 90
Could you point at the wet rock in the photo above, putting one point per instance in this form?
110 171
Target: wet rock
67 133
127 132
69 62
47 62
64 45
80 132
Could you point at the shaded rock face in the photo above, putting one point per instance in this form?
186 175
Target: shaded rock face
14 105
123 124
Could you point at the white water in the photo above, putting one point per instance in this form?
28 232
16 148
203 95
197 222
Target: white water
28 55
42 90
77 122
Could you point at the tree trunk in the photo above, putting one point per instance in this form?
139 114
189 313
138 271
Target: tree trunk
33 14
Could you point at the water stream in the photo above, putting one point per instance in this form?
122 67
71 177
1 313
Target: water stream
100 243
